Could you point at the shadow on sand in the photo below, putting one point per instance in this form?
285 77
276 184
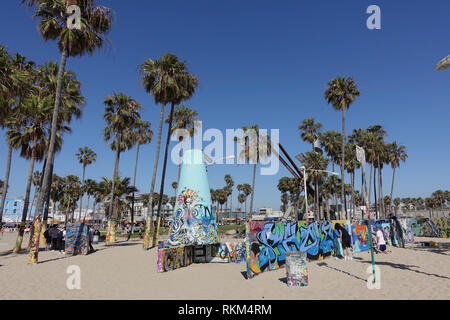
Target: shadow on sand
406 267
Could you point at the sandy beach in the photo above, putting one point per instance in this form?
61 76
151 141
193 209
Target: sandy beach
126 271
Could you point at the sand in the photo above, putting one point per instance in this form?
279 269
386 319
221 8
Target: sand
125 271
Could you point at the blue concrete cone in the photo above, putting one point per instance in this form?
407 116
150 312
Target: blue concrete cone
194 222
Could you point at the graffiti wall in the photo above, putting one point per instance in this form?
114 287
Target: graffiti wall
76 239
268 243
182 256
228 252
296 269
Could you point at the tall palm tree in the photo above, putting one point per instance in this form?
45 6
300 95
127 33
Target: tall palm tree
255 148
168 81
184 118
314 163
229 186
351 164
95 24
86 157
396 154
141 135
331 141
310 130
16 80
341 93
30 138
121 115
90 187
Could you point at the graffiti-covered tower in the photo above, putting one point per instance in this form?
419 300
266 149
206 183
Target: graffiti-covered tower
194 222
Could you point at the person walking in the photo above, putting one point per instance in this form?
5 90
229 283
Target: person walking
91 237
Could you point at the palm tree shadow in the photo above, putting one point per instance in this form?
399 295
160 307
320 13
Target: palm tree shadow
408 268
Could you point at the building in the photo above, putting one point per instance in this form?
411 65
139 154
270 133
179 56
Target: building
12 212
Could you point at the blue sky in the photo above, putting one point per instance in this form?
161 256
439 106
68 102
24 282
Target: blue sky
265 62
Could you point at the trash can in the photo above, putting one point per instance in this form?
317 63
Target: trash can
296 269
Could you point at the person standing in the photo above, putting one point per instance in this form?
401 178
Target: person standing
54 237
381 243
345 240
91 237
47 240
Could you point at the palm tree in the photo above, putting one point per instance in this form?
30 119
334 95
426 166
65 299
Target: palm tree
16 79
95 24
351 164
229 187
396 154
331 141
256 147
30 136
341 93
90 187
184 118
122 188
168 80
121 115
175 187
247 190
315 164
86 157
141 135
310 130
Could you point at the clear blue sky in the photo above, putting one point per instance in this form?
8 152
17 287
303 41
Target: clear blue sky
265 62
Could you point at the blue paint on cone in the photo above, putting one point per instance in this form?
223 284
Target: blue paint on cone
194 222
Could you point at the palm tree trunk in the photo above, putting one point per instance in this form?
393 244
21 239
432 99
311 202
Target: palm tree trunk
343 160
112 222
380 184
45 218
253 191
392 186
87 208
161 192
5 185
375 194
26 202
181 161
149 217
316 201
51 150
82 193
134 185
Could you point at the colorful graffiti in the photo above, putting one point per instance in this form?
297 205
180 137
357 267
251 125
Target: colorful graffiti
194 222
268 243
175 258
360 237
296 269
182 256
228 252
77 239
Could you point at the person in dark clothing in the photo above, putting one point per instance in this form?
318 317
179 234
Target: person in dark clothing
398 232
345 239
90 237
53 232
48 240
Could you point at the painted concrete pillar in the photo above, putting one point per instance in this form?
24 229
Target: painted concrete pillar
194 222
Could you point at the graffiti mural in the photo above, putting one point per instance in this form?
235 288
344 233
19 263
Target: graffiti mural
77 239
268 243
175 258
296 269
228 252
194 222
360 237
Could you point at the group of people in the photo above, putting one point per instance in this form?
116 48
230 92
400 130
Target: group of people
55 238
